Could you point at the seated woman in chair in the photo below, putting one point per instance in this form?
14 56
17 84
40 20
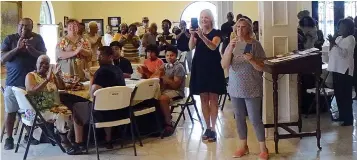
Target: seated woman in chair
172 80
42 85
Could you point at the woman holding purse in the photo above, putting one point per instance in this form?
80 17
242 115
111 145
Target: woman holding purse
245 84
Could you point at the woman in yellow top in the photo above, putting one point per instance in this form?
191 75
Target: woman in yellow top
42 86
123 31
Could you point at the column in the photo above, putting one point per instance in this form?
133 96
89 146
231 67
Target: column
278 34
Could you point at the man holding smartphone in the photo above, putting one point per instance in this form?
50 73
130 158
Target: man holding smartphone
182 43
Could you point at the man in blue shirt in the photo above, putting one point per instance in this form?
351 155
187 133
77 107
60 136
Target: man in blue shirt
19 52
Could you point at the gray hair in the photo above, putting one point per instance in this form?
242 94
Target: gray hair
210 15
43 57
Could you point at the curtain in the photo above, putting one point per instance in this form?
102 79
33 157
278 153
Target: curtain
49 33
223 7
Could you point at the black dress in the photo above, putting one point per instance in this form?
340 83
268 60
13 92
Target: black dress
207 74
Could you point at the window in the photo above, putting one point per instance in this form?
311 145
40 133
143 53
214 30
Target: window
326 17
48 30
45 13
194 10
350 8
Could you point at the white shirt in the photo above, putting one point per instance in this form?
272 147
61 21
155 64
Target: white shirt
108 39
341 55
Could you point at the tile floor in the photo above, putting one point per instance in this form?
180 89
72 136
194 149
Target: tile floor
337 142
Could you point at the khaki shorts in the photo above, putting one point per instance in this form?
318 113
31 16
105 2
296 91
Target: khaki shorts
10 101
173 94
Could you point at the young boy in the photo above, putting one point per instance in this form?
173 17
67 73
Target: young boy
172 82
123 63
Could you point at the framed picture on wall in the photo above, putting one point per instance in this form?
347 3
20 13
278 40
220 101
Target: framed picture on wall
99 22
114 21
65 21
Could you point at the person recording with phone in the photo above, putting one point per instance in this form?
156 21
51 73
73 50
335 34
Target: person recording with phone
207 76
244 57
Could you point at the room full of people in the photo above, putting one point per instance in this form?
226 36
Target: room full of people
208 53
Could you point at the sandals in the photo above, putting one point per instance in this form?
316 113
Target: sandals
264 155
241 152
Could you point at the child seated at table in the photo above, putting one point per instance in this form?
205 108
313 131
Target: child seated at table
123 63
152 63
82 110
172 81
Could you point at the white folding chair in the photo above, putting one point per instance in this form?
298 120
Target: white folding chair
25 103
17 122
145 90
108 99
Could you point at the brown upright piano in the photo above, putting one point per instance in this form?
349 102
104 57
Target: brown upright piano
307 63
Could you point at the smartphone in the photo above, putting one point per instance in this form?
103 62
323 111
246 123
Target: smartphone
248 48
194 23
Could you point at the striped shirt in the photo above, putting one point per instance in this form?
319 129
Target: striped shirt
129 50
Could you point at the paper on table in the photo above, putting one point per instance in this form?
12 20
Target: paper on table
281 59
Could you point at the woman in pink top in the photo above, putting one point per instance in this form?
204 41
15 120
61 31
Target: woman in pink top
152 63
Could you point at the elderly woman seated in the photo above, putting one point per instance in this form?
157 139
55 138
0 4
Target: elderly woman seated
42 85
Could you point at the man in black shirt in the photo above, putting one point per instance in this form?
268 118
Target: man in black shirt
107 75
123 63
182 43
227 29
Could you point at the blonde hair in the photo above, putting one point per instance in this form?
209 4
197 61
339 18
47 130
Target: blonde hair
250 25
209 14
92 24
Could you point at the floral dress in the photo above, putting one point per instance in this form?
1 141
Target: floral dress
44 100
73 66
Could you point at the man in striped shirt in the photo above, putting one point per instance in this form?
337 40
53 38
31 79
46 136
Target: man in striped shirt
131 44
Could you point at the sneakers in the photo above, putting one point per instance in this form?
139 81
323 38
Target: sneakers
9 143
212 137
109 145
209 135
206 135
241 152
76 149
32 140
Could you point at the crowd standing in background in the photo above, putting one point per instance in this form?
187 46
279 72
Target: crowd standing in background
79 50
